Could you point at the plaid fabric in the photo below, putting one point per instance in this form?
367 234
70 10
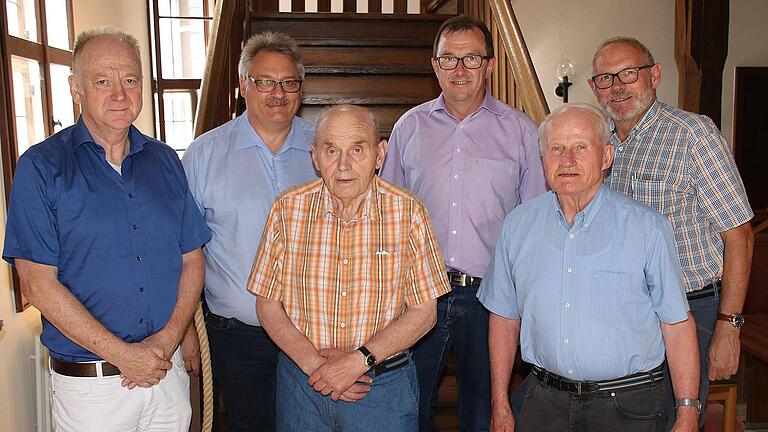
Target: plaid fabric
679 164
341 283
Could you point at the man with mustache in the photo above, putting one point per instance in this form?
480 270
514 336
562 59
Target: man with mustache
471 159
679 164
235 172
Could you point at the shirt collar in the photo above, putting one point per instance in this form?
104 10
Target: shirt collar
489 103
247 136
369 209
81 135
584 218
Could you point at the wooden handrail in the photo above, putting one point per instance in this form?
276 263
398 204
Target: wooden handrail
220 81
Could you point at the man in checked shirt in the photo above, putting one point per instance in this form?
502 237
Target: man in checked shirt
679 164
347 274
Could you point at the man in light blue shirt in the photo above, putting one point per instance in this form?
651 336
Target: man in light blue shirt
590 284
235 172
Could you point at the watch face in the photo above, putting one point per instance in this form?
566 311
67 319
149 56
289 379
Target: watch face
737 320
370 360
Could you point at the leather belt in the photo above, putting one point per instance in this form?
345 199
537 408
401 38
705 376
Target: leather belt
72 369
589 387
706 291
463 279
392 363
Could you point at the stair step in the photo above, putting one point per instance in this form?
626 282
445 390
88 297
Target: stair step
365 89
334 59
347 28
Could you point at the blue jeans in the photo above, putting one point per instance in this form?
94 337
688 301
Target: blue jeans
705 313
244 360
462 324
390 406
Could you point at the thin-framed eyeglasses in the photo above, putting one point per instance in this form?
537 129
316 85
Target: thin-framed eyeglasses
470 61
267 85
626 76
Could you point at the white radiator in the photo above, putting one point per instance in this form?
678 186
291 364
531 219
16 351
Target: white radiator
42 387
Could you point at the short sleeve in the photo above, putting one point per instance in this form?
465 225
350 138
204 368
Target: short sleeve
663 274
719 187
31 231
266 274
497 290
426 278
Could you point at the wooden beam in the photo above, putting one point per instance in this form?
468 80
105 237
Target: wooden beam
701 48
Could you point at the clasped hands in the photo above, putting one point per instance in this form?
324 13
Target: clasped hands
339 374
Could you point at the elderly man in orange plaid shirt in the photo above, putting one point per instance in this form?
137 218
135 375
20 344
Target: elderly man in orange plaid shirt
347 273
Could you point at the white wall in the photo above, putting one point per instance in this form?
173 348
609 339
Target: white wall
746 47
557 29
129 16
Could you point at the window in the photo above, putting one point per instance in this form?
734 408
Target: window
36 51
179 30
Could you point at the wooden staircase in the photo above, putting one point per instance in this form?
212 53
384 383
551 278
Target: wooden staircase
379 61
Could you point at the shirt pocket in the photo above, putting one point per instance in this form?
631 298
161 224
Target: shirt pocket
608 301
659 194
496 177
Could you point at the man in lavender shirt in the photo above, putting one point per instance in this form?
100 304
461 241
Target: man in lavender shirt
471 159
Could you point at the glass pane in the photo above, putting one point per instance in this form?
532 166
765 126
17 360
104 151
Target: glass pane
27 102
57 20
185 8
63 108
182 48
179 110
22 19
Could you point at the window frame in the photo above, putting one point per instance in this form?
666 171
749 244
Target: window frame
45 55
162 85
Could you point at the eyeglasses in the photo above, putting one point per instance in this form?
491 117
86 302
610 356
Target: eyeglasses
470 61
267 85
626 76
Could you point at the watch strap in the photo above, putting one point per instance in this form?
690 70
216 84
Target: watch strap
688 402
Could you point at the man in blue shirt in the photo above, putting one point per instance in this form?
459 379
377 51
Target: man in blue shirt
106 239
589 282
235 172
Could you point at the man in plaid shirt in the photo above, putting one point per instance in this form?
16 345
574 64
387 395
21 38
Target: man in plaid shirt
347 274
679 164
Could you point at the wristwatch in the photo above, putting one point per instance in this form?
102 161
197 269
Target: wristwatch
688 402
736 320
370 359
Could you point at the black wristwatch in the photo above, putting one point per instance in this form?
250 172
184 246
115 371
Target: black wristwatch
736 320
370 359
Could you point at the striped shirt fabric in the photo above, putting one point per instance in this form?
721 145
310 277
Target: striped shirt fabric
342 282
679 164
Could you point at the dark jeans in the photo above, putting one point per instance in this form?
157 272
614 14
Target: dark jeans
705 313
390 406
636 409
244 361
462 324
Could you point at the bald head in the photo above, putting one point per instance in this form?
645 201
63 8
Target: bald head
96 41
363 117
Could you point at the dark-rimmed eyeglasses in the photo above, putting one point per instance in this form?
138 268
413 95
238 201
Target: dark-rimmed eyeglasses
267 85
626 76
470 61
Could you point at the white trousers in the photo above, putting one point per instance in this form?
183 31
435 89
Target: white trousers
101 404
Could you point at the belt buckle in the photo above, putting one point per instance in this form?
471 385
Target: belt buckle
578 387
463 279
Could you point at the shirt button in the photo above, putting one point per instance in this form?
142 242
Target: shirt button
567 305
621 148
570 371
570 270
139 258
130 195
343 293
570 235
458 150
454 204
455 176
141 321
343 325
453 232
452 259
345 261
565 340
135 226
141 289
